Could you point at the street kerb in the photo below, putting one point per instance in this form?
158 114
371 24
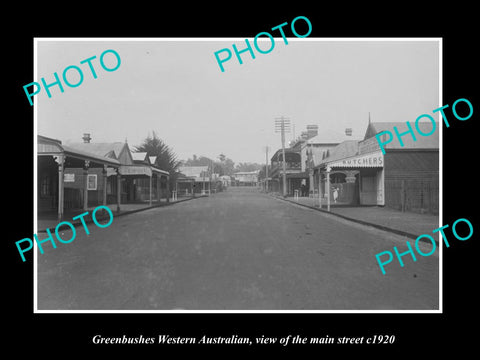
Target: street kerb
362 222
88 219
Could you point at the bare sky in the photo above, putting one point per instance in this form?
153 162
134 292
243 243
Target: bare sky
177 89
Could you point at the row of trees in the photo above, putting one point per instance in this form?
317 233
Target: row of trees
167 160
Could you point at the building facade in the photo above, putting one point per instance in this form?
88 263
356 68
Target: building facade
197 180
140 180
60 188
405 177
246 178
82 175
303 154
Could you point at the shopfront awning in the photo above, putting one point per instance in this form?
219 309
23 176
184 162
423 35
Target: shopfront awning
372 160
135 170
298 175
159 171
186 179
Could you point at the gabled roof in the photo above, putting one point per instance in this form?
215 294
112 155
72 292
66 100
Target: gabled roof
114 150
103 149
140 157
422 142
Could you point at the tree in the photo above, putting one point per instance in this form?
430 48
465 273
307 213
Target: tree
225 166
247 167
228 166
198 161
166 158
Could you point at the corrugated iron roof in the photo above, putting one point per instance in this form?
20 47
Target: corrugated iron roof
75 153
103 149
342 150
422 142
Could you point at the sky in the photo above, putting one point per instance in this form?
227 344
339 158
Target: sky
176 88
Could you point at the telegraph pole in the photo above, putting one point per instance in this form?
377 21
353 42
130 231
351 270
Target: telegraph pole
266 168
282 125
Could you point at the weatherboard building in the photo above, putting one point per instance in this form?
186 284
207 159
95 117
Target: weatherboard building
405 177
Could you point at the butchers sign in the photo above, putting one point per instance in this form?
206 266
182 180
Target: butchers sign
368 160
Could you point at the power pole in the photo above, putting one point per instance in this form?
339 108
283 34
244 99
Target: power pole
210 179
282 125
266 168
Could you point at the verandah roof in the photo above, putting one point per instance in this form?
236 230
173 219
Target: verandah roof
47 146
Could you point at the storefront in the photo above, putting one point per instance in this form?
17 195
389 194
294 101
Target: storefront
144 182
61 188
357 180
404 177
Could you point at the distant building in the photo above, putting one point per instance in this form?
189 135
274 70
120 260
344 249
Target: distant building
198 179
246 178
293 171
226 180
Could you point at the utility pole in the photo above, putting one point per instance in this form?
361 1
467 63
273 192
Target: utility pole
282 125
266 168
210 179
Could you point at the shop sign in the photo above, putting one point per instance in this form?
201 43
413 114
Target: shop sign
135 170
68 177
369 160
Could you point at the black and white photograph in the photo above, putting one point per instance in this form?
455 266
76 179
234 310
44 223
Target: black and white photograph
260 187
300 180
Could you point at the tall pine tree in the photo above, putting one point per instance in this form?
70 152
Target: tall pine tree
166 158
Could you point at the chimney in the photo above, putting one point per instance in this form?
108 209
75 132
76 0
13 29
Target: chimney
348 131
312 131
86 138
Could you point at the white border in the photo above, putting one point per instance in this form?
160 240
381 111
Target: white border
35 185
35 221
